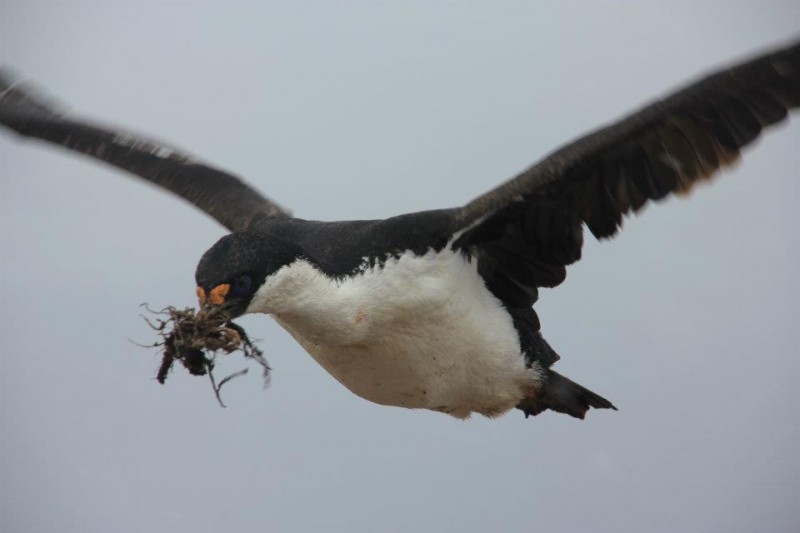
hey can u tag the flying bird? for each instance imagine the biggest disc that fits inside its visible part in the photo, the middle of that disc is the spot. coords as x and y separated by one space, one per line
435 309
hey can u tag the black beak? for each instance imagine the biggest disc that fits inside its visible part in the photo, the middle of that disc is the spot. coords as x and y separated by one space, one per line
229 309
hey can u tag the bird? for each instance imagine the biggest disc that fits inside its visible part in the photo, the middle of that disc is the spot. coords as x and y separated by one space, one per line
436 309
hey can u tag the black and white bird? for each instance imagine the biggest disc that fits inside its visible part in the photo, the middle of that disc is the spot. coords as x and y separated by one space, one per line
434 310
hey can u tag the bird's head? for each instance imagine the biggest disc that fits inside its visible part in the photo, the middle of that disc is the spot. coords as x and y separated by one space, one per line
230 273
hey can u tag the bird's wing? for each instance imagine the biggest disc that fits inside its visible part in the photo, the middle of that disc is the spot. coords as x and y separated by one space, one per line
224 196
529 228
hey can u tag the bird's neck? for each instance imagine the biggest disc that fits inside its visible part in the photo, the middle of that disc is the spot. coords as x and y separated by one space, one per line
311 304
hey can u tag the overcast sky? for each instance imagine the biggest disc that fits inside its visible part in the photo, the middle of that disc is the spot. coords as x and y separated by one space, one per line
687 321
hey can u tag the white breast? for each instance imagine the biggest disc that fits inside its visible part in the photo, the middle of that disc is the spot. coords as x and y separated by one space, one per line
417 332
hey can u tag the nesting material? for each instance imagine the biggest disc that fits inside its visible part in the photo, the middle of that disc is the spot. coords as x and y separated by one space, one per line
196 338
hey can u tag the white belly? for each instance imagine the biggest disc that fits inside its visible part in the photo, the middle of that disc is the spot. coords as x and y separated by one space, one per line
419 332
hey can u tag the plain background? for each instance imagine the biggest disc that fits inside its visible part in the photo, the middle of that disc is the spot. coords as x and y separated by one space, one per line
687 321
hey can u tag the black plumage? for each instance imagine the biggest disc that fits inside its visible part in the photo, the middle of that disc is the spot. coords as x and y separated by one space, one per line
532 224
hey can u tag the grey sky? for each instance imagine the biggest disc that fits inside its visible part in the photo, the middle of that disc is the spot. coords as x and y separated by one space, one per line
687 321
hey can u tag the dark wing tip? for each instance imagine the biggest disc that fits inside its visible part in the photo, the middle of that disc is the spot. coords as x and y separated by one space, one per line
19 96
528 229
667 147
25 110
688 137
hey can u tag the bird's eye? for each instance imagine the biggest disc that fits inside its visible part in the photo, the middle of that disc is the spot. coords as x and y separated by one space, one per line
242 285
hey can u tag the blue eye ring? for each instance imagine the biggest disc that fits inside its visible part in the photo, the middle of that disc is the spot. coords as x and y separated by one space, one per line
242 285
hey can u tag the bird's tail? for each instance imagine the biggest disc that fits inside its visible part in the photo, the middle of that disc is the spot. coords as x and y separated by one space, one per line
563 395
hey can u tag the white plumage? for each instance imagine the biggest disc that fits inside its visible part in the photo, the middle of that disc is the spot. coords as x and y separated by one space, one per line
416 331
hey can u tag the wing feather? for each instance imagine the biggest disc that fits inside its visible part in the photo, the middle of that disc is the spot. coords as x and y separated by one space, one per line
223 196
666 147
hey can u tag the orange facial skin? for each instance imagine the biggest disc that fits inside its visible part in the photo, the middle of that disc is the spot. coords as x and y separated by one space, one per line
201 296
215 297
218 294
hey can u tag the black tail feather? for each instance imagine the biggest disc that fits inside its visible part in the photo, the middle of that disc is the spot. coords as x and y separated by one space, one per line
564 396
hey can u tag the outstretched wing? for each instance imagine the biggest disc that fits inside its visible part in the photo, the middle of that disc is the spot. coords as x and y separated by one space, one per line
225 197
527 230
